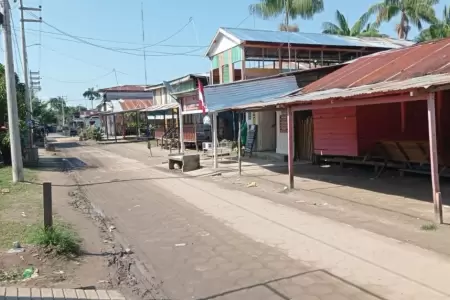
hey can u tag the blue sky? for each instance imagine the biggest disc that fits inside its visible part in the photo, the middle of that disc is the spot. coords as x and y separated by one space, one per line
69 68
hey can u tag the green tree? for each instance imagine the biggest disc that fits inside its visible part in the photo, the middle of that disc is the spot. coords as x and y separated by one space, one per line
362 27
438 30
291 9
20 92
411 12
92 95
43 113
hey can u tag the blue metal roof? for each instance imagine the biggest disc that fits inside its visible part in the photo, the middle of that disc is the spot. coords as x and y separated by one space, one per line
319 39
224 96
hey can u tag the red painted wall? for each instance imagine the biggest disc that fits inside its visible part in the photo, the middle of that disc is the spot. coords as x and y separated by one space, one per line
335 131
383 122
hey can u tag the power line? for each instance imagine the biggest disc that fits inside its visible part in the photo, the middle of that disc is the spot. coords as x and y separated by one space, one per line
17 46
245 19
81 60
79 82
47 33
119 51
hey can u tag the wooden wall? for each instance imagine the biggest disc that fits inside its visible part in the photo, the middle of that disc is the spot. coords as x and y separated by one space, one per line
384 122
335 131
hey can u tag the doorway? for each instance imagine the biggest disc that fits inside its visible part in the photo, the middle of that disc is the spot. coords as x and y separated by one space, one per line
303 135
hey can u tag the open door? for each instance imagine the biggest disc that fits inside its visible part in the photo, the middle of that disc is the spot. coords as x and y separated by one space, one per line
303 135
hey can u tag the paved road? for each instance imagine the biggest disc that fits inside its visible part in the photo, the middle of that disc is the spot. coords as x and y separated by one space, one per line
206 242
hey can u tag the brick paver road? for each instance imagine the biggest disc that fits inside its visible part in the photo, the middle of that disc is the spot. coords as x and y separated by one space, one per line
208 242
194 255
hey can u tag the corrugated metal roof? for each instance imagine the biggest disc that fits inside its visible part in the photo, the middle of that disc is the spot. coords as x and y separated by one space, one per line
134 104
346 93
418 60
223 96
161 107
124 88
319 39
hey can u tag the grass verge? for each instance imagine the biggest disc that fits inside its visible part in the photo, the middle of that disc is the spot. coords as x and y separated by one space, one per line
20 207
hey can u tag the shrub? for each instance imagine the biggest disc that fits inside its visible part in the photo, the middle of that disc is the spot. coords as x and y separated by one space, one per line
58 238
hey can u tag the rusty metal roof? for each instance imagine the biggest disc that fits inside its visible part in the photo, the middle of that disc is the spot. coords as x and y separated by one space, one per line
124 88
400 64
425 82
162 107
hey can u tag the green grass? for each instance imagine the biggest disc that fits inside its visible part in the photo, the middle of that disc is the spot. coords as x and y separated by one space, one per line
21 198
429 227
61 239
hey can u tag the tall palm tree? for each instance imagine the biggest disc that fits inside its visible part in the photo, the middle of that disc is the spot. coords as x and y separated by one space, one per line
362 27
440 29
411 12
92 95
291 9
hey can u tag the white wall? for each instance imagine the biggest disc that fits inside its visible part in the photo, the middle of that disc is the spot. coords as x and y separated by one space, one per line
266 136
222 44
282 138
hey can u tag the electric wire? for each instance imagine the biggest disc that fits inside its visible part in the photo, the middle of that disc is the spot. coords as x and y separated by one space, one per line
79 82
16 43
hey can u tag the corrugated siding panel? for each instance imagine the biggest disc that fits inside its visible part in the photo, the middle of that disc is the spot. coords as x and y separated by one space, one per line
226 74
335 131
215 62
225 96
236 54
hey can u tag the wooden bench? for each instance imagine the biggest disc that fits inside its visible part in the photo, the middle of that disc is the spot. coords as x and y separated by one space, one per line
186 162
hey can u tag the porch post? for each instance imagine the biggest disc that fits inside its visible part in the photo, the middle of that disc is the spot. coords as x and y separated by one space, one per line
239 144
437 200
115 127
214 120
138 133
290 124
180 115
106 126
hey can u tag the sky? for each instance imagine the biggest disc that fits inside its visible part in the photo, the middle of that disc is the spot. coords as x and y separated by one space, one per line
69 66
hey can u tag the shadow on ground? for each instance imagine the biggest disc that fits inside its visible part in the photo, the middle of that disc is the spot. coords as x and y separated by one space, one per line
275 287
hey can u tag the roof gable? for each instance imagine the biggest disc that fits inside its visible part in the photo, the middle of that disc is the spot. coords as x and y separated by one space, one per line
222 41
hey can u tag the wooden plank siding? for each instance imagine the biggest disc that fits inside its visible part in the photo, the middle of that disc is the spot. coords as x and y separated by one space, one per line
335 131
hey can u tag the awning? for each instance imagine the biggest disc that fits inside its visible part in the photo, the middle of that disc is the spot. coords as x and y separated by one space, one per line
160 108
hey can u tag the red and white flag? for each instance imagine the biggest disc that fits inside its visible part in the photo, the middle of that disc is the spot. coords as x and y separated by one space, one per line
201 96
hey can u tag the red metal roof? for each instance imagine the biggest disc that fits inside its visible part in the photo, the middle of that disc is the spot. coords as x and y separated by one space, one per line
124 88
134 104
392 65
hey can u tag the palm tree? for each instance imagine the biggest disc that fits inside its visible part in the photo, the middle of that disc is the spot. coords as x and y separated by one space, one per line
92 95
411 12
362 27
440 29
291 9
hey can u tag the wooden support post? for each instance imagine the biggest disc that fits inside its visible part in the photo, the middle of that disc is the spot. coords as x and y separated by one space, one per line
137 125
243 65
106 126
239 144
290 124
48 214
195 117
403 116
214 121
115 127
437 199
181 126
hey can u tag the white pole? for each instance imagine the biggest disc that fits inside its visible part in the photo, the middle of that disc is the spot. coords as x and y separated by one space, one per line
214 121
25 66
63 115
13 116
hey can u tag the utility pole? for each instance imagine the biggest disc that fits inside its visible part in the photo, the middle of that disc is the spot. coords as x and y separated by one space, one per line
28 98
63 113
13 115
